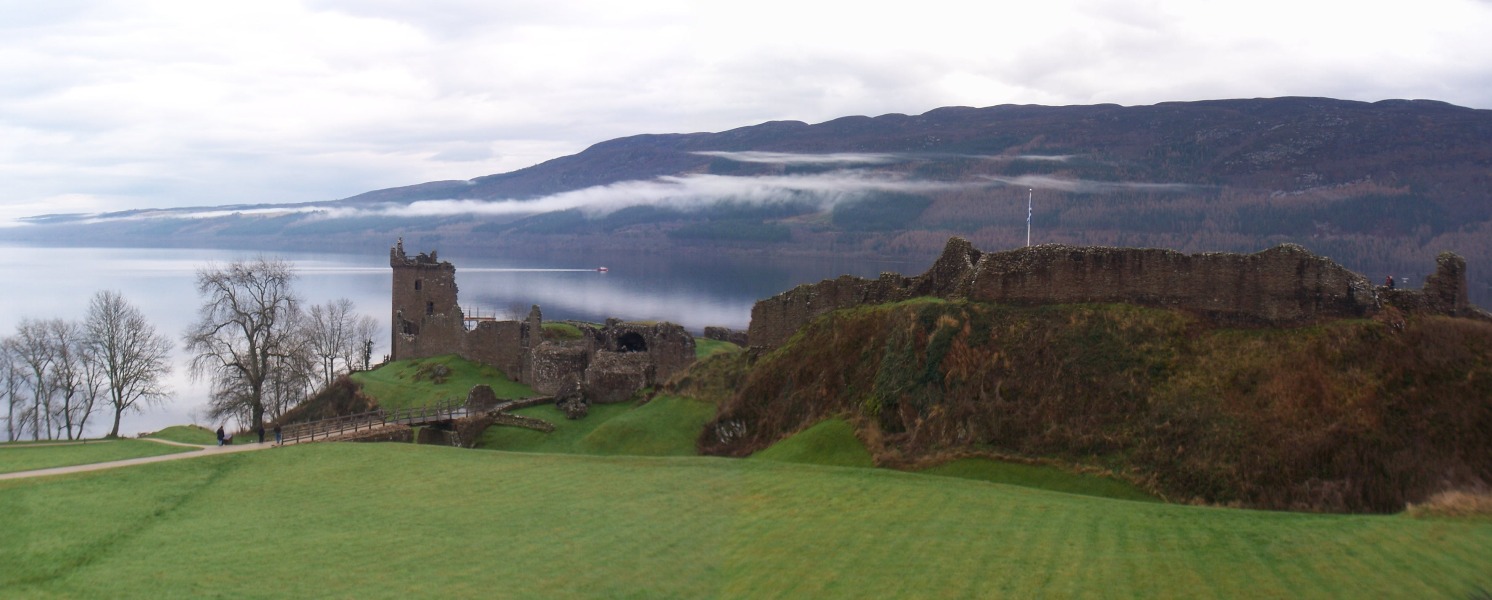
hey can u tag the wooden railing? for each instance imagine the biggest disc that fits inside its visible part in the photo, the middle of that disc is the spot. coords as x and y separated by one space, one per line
375 419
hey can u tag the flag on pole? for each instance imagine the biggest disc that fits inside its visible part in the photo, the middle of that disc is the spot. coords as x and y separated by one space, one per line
1029 193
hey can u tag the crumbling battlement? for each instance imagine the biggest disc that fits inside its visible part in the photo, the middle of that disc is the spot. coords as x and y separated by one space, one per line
427 321
1284 285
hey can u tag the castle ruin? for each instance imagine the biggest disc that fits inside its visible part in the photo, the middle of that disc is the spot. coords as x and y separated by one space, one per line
610 362
1284 285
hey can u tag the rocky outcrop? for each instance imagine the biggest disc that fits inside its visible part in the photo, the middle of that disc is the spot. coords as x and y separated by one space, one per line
1285 285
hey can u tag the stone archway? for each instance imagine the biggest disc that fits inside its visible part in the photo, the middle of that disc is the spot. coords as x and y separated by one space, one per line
631 342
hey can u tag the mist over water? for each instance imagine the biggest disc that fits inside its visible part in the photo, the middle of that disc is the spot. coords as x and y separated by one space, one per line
693 291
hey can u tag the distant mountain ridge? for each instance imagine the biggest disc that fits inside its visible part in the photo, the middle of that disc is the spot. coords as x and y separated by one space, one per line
1381 187
1237 142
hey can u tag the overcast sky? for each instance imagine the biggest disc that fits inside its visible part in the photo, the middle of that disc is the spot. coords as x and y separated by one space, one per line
108 105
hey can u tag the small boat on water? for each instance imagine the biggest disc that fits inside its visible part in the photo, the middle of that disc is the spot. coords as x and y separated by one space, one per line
602 269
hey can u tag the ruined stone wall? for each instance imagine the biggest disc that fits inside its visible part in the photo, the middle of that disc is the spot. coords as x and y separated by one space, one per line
614 376
553 364
726 334
1284 285
1445 291
502 344
426 319
775 319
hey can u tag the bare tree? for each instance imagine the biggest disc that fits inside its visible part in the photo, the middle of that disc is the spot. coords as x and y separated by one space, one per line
294 373
125 348
326 331
335 336
364 331
10 390
74 401
245 328
32 350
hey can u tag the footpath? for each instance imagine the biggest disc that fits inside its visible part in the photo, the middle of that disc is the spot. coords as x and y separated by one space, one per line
201 451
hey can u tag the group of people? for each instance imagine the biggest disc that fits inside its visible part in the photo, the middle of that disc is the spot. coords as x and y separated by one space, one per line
225 438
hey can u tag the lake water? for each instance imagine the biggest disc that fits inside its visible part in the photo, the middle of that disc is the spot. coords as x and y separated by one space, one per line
693 291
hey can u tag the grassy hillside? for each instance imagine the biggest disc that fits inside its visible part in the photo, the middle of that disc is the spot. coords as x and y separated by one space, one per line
395 520
666 426
831 442
29 457
187 434
1348 415
704 348
1040 477
421 382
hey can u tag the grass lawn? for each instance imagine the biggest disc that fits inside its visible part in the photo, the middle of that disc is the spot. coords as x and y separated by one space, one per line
188 434
831 442
561 331
706 347
565 438
1038 476
666 426
31 457
395 520
413 383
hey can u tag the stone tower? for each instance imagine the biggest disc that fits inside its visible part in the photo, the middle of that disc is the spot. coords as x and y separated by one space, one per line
426 319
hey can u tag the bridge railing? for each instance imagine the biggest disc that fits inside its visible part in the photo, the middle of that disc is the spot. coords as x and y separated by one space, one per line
367 421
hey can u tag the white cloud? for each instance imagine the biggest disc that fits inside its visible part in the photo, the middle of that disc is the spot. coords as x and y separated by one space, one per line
862 158
690 192
176 102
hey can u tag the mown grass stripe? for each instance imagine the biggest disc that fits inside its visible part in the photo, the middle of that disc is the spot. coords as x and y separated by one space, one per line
379 520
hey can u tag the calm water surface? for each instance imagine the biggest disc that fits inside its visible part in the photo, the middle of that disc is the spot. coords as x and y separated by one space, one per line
692 291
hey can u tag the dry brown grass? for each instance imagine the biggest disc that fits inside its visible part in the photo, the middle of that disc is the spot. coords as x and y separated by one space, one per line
1349 416
1455 503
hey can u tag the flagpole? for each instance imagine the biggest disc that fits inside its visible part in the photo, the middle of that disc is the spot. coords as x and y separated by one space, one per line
1029 193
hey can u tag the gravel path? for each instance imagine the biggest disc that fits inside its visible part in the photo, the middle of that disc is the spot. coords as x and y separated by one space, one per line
203 451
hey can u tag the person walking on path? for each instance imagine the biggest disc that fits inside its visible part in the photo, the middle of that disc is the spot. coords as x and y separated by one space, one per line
220 435
259 429
278 440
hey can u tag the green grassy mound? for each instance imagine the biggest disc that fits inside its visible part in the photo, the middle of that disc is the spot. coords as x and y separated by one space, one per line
561 331
831 442
399 520
422 382
566 437
705 348
14 459
666 426
187 434
1041 477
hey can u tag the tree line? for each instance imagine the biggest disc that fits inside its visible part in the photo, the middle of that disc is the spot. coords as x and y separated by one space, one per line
261 351
55 374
